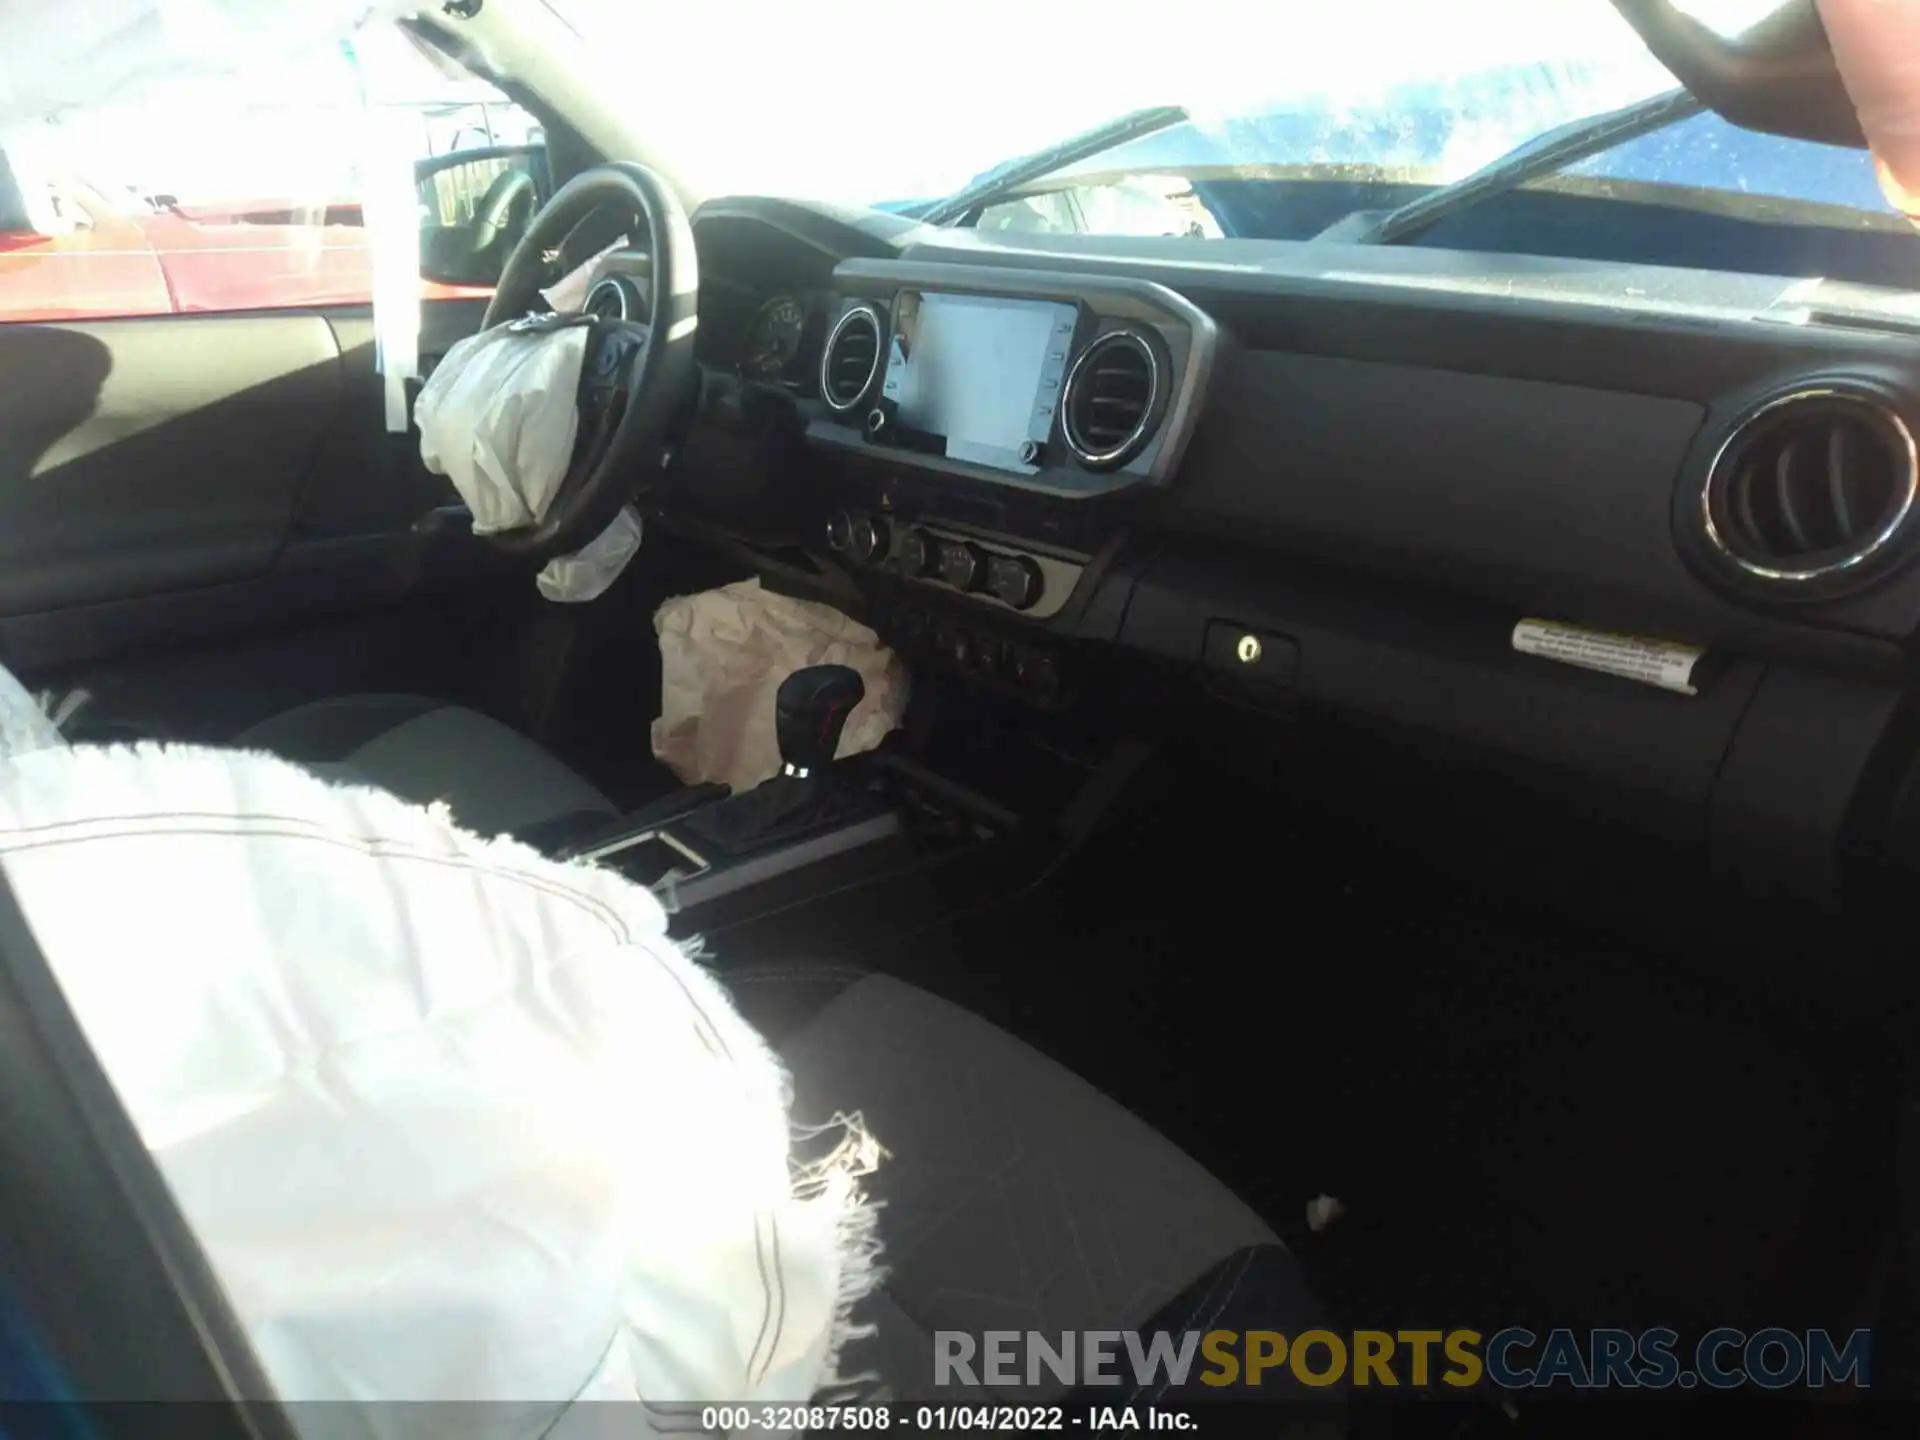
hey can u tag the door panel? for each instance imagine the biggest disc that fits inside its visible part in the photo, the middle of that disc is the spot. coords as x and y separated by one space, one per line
170 480
146 455
367 479
204 521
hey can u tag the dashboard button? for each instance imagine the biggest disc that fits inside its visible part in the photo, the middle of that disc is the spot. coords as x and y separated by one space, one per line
1037 674
1254 657
962 566
1015 580
957 647
839 531
919 553
869 538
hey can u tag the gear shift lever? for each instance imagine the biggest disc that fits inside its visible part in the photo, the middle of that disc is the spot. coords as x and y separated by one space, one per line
810 713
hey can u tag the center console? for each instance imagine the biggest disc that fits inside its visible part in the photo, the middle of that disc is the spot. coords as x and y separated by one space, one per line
710 854
984 436
1051 384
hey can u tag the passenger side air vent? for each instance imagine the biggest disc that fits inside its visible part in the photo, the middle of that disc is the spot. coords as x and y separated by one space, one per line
1110 400
1814 491
850 358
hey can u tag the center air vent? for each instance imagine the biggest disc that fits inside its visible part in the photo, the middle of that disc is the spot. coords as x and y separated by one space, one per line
1815 489
1109 400
851 358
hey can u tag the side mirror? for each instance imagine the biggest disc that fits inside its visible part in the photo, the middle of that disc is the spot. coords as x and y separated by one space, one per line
1778 77
474 207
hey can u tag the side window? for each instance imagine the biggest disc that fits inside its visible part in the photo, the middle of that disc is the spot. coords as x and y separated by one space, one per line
474 206
1144 205
1050 213
245 192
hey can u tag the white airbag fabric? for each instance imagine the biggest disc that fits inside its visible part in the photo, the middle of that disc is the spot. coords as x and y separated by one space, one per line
498 418
590 571
452 1121
24 725
723 654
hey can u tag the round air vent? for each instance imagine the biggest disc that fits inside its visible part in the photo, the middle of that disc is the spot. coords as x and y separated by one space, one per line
850 358
1110 399
608 300
1813 489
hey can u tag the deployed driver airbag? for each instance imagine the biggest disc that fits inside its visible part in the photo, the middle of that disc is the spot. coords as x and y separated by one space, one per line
498 418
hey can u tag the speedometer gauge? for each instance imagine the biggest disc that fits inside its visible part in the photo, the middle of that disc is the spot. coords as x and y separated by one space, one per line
773 339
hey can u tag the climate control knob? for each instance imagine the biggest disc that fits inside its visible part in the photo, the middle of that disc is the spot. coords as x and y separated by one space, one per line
869 538
962 566
919 553
1014 580
1036 673
839 531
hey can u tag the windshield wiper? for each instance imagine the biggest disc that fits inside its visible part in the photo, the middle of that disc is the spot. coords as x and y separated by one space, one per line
1543 155
997 182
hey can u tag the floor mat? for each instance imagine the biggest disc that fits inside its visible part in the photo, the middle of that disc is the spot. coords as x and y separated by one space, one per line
1527 1125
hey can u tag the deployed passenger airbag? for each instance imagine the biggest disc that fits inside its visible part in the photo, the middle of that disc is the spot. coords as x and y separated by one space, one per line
452 1121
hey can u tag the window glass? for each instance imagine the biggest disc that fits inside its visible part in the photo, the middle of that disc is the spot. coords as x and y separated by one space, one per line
244 192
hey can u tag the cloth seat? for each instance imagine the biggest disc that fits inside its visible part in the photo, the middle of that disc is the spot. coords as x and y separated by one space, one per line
1017 1197
494 779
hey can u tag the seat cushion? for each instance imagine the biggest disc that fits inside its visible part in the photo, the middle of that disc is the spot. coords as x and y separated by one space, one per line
494 779
1017 1196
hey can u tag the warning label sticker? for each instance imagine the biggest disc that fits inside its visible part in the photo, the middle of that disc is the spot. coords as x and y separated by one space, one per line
1652 662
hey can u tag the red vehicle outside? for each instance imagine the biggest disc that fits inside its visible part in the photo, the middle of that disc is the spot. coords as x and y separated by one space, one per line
253 255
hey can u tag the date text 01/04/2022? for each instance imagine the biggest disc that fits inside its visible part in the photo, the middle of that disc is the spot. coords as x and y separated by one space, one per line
912 1419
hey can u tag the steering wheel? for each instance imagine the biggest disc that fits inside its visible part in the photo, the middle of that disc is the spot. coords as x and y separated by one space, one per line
503 210
639 377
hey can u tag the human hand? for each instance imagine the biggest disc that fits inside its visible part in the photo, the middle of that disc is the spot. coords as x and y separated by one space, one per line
1877 45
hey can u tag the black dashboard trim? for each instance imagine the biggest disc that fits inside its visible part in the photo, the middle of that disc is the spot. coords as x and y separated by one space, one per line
1396 455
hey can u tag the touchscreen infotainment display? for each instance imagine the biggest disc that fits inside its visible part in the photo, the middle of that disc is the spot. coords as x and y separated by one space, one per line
979 373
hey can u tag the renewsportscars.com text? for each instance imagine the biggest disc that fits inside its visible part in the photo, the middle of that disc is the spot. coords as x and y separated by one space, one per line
1510 1359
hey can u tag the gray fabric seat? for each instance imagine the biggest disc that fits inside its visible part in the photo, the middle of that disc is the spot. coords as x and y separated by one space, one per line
1017 1196
494 779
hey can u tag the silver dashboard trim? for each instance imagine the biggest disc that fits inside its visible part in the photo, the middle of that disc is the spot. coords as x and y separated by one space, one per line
659 832
1059 579
619 290
1881 539
1193 337
1115 454
713 884
852 313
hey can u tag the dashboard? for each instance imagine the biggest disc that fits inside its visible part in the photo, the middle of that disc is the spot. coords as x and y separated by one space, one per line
768 338
1343 477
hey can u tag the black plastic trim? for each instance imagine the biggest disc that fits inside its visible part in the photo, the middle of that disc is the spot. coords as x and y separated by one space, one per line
97 1252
